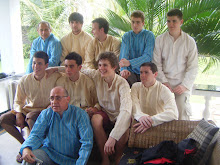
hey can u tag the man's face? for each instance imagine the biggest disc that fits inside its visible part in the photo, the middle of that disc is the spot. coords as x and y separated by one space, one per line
136 24
105 68
58 100
76 27
147 76
96 31
39 66
174 23
71 68
44 31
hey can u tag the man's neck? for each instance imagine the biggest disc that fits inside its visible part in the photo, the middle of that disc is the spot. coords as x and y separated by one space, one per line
109 80
75 77
176 34
38 78
76 33
102 38
150 84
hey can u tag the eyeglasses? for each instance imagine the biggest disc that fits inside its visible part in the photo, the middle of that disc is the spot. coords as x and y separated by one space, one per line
58 98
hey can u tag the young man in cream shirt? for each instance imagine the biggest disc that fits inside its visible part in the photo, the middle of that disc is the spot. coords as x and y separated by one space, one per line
101 43
176 57
152 102
77 40
80 87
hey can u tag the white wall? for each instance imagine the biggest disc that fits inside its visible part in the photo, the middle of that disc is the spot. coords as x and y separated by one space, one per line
11 37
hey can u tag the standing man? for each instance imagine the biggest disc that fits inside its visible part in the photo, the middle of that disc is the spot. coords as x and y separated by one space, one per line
101 43
136 48
62 134
46 42
77 40
176 57
152 102
80 87
31 98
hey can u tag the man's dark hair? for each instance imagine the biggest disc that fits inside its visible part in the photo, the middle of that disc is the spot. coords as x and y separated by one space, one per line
152 66
111 57
175 12
74 56
76 17
138 14
43 55
103 23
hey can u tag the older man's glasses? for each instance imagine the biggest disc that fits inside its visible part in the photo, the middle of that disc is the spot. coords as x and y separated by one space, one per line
58 98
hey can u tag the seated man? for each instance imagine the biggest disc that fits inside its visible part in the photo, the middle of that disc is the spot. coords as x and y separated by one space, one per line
77 40
136 48
114 113
46 42
79 86
62 134
31 98
153 103
101 43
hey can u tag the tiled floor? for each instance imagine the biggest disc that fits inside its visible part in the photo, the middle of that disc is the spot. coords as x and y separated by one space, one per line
9 147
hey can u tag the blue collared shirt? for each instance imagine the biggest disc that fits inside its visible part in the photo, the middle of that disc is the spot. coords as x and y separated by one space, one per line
137 48
67 140
52 46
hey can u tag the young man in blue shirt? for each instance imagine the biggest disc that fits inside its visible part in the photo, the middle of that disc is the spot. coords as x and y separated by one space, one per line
136 48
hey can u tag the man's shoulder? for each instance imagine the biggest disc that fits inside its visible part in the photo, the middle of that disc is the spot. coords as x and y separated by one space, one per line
186 36
137 85
84 77
77 111
26 78
67 36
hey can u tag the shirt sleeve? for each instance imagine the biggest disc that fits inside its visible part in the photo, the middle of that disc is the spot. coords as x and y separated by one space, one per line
124 51
124 118
116 47
147 53
86 139
38 132
170 111
191 66
157 59
90 56
65 52
55 52
20 98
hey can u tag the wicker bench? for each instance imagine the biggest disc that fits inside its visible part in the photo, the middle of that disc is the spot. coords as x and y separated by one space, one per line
174 130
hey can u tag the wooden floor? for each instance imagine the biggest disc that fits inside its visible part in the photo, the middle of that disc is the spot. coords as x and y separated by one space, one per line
9 147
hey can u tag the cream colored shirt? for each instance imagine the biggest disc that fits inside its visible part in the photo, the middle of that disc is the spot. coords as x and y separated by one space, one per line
156 101
82 92
114 100
177 61
96 47
75 43
34 95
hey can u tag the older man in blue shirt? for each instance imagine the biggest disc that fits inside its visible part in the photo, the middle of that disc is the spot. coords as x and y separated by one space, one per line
136 48
48 43
62 134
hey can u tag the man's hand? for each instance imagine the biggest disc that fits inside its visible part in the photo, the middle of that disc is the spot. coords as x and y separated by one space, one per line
145 122
123 63
91 111
168 86
50 71
179 89
28 156
20 120
125 74
109 147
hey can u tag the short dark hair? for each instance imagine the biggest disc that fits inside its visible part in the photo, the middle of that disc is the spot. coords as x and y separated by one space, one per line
76 17
44 22
103 23
43 55
152 66
138 14
74 56
175 12
111 57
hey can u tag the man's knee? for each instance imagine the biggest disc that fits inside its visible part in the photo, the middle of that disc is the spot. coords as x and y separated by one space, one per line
97 121
183 105
33 115
8 118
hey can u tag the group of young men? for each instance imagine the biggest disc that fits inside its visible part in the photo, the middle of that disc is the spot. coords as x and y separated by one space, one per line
151 93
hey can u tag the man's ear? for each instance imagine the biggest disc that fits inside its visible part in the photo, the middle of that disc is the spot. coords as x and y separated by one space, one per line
155 74
181 21
80 67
